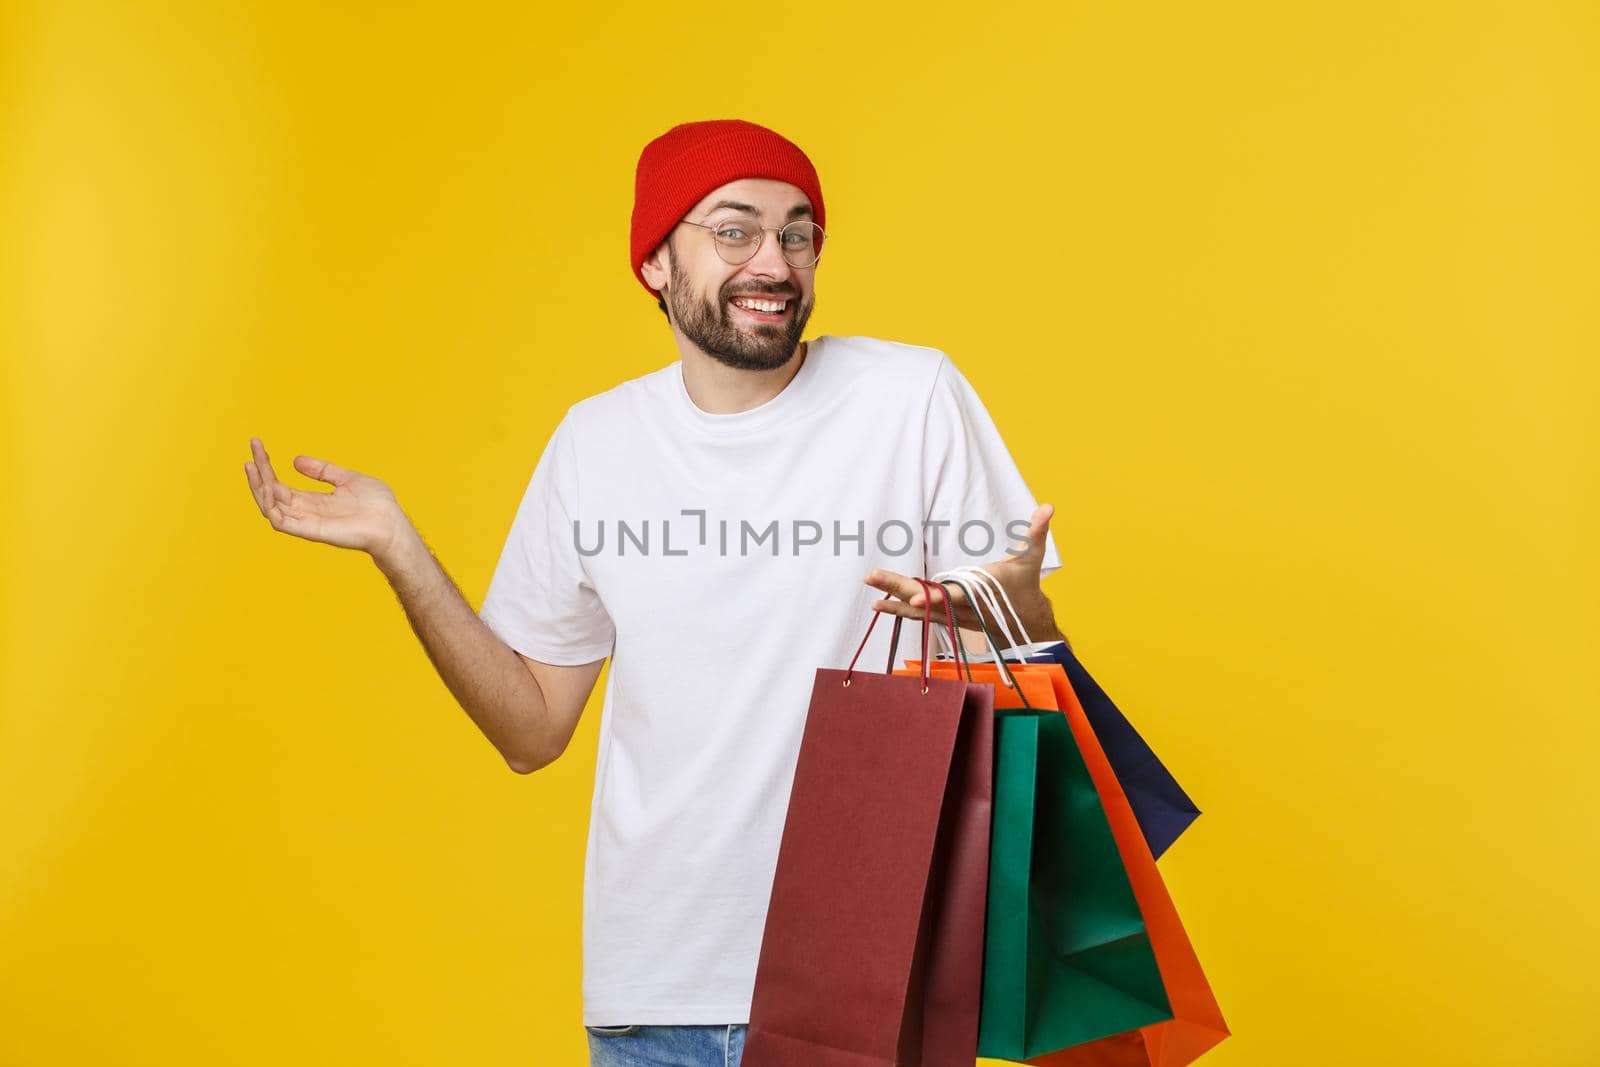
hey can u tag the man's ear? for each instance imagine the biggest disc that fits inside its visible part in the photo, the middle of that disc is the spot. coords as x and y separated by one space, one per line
656 267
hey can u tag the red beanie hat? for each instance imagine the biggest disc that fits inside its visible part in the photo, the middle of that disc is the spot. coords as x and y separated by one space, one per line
678 169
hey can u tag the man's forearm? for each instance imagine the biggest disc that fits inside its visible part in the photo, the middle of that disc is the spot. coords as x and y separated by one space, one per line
482 672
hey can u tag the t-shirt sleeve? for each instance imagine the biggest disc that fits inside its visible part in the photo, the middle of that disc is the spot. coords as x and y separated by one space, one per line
971 484
540 599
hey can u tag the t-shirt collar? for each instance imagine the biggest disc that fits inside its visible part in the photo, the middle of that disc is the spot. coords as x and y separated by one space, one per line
762 415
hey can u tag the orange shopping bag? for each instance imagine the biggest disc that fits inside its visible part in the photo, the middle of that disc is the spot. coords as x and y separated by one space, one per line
1197 1024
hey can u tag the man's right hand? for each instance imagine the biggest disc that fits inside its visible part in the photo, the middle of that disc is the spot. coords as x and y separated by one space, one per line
360 513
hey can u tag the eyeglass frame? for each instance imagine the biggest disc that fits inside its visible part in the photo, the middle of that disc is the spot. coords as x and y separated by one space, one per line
760 240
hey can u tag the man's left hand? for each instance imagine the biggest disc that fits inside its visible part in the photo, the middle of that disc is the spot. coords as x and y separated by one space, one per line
1018 575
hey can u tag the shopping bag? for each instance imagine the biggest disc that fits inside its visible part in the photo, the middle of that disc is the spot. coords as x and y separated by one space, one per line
872 952
1196 1023
1159 803
1067 959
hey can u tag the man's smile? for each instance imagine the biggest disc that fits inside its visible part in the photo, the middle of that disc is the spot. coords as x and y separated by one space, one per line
762 309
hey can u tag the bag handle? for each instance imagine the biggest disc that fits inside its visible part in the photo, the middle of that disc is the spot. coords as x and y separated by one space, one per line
984 598
1028 646
961 646
996 586
958 649
894 641
986 586
927 620
1005 668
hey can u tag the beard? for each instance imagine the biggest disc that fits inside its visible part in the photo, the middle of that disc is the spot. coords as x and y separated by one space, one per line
744 346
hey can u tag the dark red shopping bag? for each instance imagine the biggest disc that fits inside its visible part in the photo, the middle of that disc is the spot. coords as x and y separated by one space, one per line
873 950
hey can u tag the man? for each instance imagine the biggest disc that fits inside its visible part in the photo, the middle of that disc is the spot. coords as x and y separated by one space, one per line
719 528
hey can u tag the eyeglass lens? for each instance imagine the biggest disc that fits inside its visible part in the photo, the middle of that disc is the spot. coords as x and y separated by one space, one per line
739 238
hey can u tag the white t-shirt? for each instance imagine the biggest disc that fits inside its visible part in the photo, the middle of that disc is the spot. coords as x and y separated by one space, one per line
719 560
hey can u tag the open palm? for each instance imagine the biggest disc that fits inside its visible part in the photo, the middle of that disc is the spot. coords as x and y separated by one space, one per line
360 513
1018 575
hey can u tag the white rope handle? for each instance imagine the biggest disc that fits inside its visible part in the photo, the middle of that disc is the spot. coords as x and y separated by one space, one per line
977 599
987 581
944 634
982 598
959 576
979 572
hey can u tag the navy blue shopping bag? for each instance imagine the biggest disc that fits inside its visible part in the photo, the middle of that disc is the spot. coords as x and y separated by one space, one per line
1163 809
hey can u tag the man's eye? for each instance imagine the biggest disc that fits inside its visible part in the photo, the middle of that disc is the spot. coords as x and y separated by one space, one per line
733 233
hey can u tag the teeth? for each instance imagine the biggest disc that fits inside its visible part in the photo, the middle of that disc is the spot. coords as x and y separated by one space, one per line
761 305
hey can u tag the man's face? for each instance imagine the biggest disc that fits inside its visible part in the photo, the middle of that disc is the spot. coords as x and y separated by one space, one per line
701 286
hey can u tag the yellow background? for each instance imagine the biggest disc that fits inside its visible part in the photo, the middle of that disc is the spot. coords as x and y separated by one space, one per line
1290 310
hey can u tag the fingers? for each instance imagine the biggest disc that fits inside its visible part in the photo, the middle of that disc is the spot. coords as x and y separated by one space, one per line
263 463
273 497
1031 546
908 598
898 607
334 518
260 475
900 585
322 470
959 605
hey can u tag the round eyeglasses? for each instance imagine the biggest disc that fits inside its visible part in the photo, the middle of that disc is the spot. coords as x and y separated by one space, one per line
738 241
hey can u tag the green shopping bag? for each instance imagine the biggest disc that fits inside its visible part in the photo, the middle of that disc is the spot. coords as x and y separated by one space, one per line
1067 958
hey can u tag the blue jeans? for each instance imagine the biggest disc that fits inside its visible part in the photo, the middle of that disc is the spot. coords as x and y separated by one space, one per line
666 1046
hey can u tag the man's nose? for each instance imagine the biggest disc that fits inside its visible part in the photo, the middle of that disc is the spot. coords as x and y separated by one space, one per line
768 260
